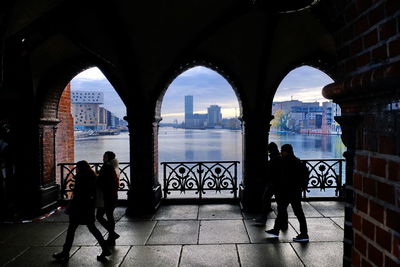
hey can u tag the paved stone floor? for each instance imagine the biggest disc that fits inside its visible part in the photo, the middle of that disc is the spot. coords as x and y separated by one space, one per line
183 235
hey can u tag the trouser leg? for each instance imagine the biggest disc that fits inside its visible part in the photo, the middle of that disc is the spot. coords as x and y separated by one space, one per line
108 224
298 212
282 217
110 219
266 203
100 218
96 233
70 237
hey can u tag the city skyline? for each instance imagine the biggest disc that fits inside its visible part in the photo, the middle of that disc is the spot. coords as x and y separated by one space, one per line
209 88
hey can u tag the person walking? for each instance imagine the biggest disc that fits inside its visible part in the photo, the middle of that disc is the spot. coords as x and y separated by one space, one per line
108 183
82 211
288 191
273 168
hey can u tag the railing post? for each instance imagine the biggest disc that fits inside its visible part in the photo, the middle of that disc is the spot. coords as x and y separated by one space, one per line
165 178
235 179
62 191
200 182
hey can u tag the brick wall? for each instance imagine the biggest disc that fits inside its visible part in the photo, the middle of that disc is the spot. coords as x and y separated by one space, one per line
65 130
367 34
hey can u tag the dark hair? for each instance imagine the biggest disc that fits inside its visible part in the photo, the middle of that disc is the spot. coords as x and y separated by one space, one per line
273 148
84 168
110 155
287 148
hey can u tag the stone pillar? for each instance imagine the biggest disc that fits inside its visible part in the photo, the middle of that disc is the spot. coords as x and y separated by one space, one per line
144 196
255 156
349 125
49 190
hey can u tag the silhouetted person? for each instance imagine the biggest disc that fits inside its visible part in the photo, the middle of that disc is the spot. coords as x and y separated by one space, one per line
7 175
289 188
108 183
82 211
273 168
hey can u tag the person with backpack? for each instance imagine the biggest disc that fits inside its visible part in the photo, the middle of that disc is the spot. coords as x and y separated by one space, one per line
288 191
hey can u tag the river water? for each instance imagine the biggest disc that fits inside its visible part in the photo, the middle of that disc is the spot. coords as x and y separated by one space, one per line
209 145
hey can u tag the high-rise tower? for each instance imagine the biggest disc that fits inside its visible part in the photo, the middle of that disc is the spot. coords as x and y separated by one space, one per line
188 110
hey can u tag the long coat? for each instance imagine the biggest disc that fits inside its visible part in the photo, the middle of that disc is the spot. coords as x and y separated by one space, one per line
108 182
82 206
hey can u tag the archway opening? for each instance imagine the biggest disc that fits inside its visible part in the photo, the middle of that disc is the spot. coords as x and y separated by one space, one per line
200 123
91 122
305 119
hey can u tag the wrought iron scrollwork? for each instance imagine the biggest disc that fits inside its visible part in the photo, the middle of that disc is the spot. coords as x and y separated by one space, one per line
324 174
200 177
68 172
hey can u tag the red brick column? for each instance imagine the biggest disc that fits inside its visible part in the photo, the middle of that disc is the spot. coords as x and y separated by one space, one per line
65 132
367 36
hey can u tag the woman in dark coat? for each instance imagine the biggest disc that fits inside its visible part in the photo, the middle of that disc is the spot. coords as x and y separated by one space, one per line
82 211
108 183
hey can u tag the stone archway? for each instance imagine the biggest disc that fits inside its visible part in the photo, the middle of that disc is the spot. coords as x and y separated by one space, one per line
205 87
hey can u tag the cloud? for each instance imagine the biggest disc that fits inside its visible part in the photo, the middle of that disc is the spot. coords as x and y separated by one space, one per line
90 82
197 71
91 74
208 88
304 84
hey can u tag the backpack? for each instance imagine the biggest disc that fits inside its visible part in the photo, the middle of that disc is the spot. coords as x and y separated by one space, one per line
304 175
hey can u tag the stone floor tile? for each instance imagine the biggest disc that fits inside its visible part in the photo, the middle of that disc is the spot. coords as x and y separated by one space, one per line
82 236
35 234
119 212
257 233
309 211
219 211
154 256
131 218
250 216
7 231
209 255
177 212
329 208
279 254
10 252
320 254
58 216
175 232
222 232
87 256
38 257
134 233
321 229
339 221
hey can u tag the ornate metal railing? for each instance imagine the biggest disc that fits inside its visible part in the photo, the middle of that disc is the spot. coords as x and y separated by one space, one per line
218 176
200 177
68 172
325 174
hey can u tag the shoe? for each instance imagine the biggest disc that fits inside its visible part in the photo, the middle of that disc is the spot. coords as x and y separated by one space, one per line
115 236
102 256
61 256
273 233
111 239
301 238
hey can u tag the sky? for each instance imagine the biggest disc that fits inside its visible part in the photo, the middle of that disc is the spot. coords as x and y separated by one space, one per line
208 88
